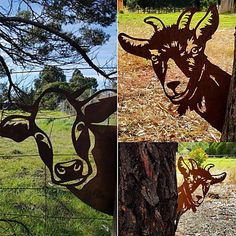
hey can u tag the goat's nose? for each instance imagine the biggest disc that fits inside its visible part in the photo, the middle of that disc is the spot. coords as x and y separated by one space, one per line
173 84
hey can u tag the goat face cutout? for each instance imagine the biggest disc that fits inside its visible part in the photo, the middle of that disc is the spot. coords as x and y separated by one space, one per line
196 184
188 78
176 52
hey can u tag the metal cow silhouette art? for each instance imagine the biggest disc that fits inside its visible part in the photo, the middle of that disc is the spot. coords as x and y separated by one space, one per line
196 184
198 85
91 176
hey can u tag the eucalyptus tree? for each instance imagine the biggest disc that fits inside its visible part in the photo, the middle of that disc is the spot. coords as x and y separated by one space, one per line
46 32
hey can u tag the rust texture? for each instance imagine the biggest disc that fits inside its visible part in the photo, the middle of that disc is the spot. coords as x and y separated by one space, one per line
198 85
91 176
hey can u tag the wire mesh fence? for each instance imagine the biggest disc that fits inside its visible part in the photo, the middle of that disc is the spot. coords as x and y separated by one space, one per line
30 204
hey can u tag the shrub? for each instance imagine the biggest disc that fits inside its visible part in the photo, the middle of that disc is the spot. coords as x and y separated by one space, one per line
199 155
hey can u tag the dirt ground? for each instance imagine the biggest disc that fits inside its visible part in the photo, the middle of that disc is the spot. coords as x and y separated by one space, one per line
146 114
215 217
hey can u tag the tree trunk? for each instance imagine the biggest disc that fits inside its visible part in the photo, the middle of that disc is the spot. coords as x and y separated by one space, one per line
147 189
229 129
227 6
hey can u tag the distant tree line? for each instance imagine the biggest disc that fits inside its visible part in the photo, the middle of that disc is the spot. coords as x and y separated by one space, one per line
51 76
166 5
196 150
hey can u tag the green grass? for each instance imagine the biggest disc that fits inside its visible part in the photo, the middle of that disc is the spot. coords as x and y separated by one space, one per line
28 204
222 163
227 21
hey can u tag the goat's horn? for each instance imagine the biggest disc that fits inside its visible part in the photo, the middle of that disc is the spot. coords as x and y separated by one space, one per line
155 22
136 46
209 166
218 178
185 18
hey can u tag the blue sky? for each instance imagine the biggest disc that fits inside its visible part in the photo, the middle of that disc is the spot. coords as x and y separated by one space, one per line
103 53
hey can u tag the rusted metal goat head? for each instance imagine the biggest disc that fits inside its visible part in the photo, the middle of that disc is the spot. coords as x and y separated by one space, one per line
188 78
91 176
196 184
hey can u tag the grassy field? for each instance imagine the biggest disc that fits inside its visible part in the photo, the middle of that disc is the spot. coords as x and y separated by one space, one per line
227 21
34 195
145 113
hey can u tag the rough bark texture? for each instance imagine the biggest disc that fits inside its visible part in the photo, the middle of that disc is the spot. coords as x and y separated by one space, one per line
147 189
229 129
227 6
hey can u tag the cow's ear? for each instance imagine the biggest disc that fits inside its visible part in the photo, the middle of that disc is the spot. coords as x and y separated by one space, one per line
15 128
183 167
100 111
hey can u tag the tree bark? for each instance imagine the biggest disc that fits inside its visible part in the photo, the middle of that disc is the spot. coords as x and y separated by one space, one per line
229 128
227 6
147 189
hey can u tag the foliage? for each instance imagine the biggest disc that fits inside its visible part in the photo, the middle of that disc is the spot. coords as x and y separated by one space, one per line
185 148
35 32
79 80
222 149
199 155
3 92
206 3
157 4
34 43
50 76
196 151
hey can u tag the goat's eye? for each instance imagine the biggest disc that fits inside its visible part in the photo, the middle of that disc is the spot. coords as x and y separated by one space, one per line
154 58
196 50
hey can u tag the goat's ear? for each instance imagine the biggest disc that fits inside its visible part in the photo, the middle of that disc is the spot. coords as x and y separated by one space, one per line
100 111
207 26
183 167
193 164
14 129
135 46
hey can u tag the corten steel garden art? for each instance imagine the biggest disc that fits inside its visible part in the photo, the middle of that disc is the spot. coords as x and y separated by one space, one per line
196 184
200 85
94 184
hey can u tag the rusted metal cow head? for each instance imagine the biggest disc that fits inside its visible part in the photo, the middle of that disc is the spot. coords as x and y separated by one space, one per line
91 176
188 78
196 184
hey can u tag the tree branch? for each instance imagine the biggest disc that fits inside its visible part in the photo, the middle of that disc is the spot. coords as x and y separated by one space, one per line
60 34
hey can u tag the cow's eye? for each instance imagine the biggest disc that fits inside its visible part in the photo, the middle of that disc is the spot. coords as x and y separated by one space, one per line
80 126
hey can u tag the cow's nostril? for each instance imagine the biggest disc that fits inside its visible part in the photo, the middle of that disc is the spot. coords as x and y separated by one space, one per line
77 167
61 170
172 85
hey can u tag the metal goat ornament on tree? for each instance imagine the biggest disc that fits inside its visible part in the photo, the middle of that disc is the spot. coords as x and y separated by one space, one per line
196 184
200 85
92 175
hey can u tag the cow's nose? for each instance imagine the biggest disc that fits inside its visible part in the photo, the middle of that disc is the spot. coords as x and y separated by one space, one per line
173 85
69 170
